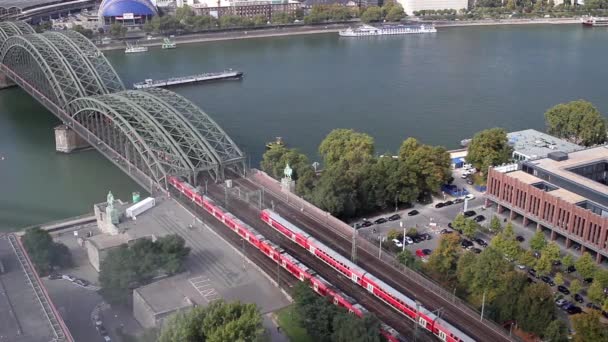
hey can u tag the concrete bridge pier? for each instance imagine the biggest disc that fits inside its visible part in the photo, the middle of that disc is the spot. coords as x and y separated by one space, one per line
5 82
66 140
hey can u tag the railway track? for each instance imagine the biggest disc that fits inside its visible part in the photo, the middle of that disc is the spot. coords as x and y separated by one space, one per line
251 216
343 244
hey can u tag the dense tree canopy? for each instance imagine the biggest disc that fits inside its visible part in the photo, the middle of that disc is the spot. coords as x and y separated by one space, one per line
44 252
216 322
585 266
127 267
538 242
489 147
444 259
556 331
371 14
588 327
578 121
536 308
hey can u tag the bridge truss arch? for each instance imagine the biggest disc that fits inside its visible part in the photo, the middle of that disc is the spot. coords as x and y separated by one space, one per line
155 131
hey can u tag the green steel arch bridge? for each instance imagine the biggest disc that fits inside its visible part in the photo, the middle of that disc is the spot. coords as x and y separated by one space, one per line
150 134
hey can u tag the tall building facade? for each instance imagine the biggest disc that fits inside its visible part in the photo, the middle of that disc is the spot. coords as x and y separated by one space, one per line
411 6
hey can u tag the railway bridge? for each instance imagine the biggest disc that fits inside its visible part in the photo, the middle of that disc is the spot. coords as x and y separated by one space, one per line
149 134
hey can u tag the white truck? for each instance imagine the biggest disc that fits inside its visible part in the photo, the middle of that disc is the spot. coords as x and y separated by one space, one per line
140 207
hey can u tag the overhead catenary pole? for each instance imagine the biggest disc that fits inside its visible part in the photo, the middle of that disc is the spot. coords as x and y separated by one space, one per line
483 304
402 242
353 252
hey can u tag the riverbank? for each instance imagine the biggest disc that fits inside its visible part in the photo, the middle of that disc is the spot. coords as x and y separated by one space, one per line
331 28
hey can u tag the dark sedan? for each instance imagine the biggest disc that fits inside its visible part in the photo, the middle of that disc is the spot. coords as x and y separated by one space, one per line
547 280
520 238
447 203
394 217
466 243
479 218
439 205
366 224
380 220
481 242
563 289
469 213
579 298
413 213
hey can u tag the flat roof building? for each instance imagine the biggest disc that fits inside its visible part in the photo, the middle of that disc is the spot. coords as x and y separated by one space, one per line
532 144
565 193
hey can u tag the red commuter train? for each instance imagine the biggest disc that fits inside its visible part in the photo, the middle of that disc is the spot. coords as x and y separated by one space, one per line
426 319
276 253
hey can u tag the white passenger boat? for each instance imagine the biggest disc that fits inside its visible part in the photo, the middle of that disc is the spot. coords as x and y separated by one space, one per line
135 48
368 30
594 21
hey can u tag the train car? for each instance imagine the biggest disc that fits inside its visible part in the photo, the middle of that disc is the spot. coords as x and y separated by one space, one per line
285 227
390 334
295 267
271 250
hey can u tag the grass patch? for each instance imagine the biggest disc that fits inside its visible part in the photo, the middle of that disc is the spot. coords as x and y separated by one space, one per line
289 321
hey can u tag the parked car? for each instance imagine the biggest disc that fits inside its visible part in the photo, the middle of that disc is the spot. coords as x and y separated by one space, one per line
469 197
107 339
426 236
547 280
593 306
439 205
532 272
420 253
571 269
380 220
366 224
447 203
398 243
479 218
427 251
520 238
417 239
464 176
469 213
563 289
573 310
68 277
560 302
466 243
408 240
579 298
102 330
394 217
521 266
81 282
458 200
475 250
588 280
413 213
566 305
445 231
481 242
450 225
54 276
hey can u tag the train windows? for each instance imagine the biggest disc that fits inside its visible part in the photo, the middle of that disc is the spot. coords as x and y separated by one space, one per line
442 335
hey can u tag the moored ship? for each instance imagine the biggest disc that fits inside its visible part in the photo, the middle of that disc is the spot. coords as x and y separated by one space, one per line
211 76
368 30
594 21
168 44
135 48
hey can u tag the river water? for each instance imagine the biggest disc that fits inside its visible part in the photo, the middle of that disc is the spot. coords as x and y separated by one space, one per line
438 88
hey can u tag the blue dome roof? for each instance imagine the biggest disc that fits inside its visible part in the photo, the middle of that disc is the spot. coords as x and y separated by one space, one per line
116 8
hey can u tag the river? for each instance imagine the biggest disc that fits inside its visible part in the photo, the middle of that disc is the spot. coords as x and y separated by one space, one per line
439 88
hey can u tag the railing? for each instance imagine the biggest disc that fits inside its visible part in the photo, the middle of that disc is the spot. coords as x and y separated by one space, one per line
344 230
57 325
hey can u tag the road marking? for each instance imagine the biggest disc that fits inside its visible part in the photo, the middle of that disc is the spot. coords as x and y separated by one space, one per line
204 287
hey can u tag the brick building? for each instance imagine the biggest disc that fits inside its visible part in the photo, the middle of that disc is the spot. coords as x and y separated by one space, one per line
566 194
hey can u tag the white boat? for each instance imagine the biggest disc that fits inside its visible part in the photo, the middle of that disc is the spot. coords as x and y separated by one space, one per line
211 76
368 30
594 21
168 44
135 48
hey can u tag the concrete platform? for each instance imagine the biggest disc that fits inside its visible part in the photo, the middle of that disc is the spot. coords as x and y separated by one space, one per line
21 316
214 269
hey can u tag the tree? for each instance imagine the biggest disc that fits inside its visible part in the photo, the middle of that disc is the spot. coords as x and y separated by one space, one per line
575 286
585 266
260 20
559 278
536 309
538 242
595 293
216 322
44 253
505 242
601 276
488 148
527 259
551 251
429 167
396 13
459 221
578 121
489 268
406 258
544 265
556 331
470 229
495 225
183 13
567 261
411 232
444 259
117 30
85 32
392 234
44 26
372 13
281 18
588 327
511 5
349 328
504 306
346 144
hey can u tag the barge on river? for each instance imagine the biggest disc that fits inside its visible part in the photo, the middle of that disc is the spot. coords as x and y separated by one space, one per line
211 76
368 30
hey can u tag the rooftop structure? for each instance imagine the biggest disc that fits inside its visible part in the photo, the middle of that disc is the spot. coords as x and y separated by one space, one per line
153 303
411 6
532 144
35 9
26 311
565 193
126 11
